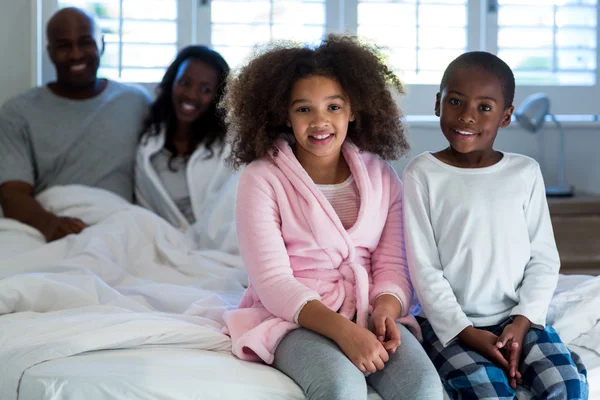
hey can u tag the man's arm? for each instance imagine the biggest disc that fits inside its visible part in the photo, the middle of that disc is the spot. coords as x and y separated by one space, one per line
17 201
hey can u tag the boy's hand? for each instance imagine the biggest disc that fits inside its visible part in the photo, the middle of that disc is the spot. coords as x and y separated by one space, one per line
511 340
485 343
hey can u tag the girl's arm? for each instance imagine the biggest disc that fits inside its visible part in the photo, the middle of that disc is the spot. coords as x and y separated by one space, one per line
258 223
541 273
433 290
391 280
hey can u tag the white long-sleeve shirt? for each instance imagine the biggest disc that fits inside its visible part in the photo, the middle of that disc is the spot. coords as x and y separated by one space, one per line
479 242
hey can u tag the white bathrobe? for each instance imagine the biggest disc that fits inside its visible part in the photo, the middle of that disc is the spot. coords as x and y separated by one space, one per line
212 185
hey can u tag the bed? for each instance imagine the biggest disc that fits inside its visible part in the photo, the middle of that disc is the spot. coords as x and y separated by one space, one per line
128 310
168 374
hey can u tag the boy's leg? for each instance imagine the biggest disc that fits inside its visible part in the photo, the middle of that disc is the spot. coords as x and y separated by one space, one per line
549 369
319 367
409 374
466 375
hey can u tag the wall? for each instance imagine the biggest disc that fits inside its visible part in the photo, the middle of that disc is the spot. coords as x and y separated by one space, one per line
16 38
583 141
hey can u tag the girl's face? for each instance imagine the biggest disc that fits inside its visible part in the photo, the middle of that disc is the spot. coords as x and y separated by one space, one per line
194 90
319 113
471 110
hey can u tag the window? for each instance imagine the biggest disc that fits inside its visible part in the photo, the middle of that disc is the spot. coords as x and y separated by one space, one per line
140 36
238 25
552 45
549 43
421 36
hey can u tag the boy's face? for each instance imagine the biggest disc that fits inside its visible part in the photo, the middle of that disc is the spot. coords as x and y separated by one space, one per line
471 110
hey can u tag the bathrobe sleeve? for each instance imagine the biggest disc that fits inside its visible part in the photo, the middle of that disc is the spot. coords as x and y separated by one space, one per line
388 262
262 246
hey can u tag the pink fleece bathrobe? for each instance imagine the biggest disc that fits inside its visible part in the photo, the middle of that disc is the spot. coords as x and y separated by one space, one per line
295 248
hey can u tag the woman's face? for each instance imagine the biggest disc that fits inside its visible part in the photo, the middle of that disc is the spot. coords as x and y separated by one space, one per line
194 90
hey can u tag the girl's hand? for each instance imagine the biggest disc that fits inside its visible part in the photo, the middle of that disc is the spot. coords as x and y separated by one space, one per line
385 328
484 343
511 340
362 348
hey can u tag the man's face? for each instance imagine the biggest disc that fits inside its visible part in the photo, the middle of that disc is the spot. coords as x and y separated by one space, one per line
74 50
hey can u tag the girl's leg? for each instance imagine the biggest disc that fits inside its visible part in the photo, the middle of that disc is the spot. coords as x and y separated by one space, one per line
409 374
466 375
550 370
319 367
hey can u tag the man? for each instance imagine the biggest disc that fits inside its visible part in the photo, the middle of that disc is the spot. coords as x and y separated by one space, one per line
77 130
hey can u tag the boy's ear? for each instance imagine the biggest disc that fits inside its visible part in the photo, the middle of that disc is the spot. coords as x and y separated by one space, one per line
288 123
351 117
506 118
438 98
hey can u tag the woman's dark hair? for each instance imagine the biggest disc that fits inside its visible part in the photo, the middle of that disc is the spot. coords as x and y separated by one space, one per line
207 130
257 98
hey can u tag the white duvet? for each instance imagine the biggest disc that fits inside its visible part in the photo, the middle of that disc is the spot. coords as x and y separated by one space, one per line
129 280
133 281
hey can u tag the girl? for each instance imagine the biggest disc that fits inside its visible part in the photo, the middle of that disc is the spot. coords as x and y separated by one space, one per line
180 170
481 249
319 221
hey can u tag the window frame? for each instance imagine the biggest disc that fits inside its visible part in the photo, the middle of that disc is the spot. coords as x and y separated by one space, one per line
561 97
44 9
194 27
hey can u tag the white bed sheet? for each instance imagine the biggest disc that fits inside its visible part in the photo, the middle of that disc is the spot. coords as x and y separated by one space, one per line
168 374
159 373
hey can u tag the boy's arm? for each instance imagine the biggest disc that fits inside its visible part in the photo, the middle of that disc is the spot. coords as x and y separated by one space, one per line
541 273
433 290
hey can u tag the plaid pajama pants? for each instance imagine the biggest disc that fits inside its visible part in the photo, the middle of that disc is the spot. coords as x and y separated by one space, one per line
548 368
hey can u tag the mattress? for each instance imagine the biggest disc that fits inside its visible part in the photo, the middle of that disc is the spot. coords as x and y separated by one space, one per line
156 373
168 374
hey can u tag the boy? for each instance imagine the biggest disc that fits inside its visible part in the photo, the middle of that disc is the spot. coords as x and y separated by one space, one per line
481 249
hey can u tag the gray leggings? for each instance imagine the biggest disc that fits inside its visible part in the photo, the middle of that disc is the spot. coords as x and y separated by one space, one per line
324 372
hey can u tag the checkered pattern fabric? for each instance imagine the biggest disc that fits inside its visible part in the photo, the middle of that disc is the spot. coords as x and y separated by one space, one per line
548 368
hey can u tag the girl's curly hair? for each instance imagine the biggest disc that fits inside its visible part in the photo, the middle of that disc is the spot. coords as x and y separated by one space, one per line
256 99
210 128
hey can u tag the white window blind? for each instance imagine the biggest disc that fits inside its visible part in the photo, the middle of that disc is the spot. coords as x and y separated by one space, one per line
421 36
140 36
552 45
549 42
238 25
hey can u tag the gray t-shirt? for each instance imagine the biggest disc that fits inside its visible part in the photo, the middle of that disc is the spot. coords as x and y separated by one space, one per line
47 140
174 180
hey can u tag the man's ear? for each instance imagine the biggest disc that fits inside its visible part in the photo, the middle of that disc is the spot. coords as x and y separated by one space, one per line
351 117
288 123
49 50
507 117
438 98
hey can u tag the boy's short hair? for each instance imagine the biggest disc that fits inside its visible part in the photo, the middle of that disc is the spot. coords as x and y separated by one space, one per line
490 63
